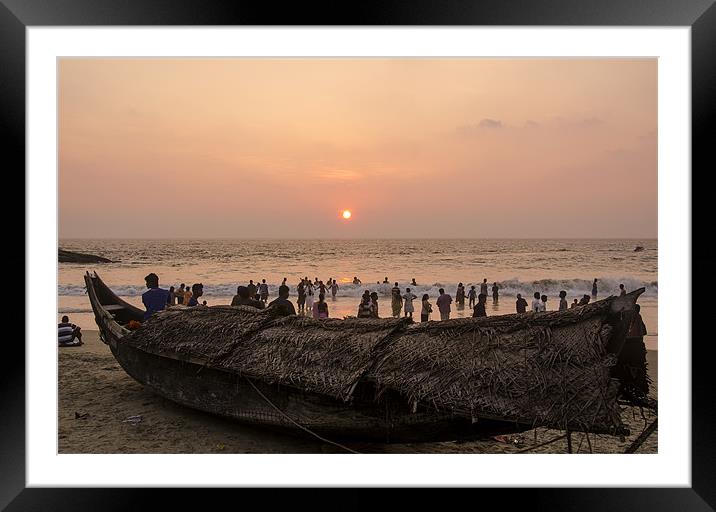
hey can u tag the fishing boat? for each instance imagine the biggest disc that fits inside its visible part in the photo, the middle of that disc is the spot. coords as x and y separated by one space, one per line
386 380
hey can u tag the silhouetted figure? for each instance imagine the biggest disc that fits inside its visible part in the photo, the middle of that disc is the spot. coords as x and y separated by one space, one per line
622 290
460 296
563 300
521 304
479 309
594 289
154 299
374 303
282 303
263 291
483 287
309 296
301 290
197 290
396 301
365 308
443 303
472 295
495 294
426 309
243 298
409 297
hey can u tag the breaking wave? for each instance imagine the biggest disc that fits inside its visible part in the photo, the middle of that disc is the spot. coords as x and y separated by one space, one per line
509 287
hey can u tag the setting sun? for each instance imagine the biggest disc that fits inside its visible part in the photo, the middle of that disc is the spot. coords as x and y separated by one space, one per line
346 214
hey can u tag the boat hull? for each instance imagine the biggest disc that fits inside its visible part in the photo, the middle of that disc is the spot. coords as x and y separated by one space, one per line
285 408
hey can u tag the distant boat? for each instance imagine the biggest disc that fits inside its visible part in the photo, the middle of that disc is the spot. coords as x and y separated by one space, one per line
382 379
638 248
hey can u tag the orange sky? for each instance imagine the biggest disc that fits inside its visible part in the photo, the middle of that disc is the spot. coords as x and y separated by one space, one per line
413 147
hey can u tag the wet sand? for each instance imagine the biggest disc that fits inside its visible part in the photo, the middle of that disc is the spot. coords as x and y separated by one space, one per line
94 387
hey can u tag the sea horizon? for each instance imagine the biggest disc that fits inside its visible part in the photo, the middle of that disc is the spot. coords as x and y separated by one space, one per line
273 239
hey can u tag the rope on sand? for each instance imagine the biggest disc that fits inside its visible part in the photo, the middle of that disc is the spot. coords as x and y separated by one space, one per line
305 429
529 448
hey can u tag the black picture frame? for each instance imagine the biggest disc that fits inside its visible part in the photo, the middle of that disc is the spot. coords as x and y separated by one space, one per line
700 15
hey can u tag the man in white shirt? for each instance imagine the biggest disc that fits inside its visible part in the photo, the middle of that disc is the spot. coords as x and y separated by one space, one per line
537 303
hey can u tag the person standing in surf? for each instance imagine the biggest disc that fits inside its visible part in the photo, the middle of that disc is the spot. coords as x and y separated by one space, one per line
536 303
594 289
426 309
563 300
309 296
544 303
521 304
409 297
301 290
365 308
483 287
396 301
472 295
334 289
460 296
495 294
443 303
320 308
263 291
374 303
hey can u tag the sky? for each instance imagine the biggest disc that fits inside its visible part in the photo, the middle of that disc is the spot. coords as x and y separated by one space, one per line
414 148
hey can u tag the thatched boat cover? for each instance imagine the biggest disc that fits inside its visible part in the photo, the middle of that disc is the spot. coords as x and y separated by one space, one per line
545 369
323 356
548 369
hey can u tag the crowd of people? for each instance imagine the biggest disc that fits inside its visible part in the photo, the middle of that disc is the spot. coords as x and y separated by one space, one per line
257 295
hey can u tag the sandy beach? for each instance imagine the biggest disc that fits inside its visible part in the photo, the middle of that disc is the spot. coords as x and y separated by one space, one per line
98 421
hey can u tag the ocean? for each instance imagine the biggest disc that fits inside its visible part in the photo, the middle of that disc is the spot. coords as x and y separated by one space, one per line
518 266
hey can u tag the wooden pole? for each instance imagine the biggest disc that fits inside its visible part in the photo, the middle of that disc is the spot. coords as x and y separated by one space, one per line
642 437
569 441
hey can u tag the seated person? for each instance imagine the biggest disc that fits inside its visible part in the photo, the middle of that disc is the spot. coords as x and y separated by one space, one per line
155 299
284 305
69 335
197 290
242 298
